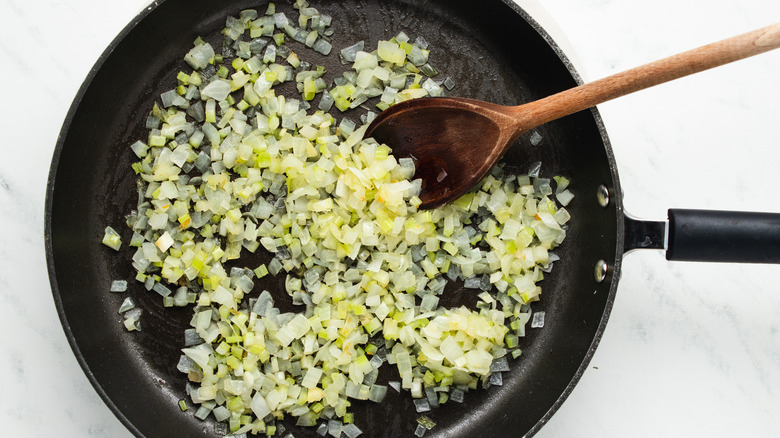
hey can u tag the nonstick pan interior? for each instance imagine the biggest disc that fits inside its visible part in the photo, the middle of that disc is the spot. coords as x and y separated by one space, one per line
492 50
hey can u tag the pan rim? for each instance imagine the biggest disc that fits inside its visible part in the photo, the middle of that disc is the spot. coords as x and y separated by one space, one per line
616 197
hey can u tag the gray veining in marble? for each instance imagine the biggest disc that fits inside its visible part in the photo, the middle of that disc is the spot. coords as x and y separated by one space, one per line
690 350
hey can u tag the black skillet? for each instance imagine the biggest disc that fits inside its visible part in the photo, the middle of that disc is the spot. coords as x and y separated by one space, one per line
494 51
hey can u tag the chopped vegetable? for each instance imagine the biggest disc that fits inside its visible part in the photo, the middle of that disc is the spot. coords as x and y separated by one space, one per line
537 321
127 304
132 319
426 422
112 239
231 167
118 286
535 139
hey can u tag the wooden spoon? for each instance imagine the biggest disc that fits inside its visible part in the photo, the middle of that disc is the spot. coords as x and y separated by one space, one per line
455 142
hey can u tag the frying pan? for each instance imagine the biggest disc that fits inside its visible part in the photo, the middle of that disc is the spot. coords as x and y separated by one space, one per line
486 49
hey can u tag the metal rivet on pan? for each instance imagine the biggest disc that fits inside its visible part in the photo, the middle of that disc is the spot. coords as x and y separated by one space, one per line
602 194
601 271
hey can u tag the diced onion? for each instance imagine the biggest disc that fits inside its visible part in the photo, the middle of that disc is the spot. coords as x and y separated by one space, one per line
112 239
229 166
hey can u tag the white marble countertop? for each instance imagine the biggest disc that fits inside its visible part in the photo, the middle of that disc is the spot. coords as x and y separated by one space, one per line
691 349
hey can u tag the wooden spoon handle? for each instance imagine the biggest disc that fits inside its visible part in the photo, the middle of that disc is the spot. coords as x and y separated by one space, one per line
648 75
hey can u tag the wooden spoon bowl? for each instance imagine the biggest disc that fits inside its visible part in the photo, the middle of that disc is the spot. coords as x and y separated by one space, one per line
447 138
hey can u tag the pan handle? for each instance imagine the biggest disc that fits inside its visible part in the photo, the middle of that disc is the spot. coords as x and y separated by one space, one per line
709 236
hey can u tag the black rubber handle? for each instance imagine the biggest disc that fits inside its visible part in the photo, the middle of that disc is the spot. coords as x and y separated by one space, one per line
723 236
